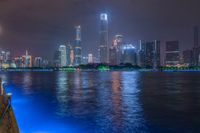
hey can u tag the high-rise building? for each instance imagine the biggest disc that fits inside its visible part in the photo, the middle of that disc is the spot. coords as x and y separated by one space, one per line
45 63
172 52
5 59
196 48
149 54
38 62
90 58
18 62
77 47
187 57
103 48
63 56
57 58
5 56
70 56
85 60
129 54
27 60
113 56
115 51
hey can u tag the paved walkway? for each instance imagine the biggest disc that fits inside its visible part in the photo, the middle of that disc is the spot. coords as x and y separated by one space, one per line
8 122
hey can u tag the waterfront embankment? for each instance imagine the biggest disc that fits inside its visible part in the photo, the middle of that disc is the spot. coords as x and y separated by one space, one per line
8 123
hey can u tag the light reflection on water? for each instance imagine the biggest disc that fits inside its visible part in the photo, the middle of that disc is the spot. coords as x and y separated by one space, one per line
60 102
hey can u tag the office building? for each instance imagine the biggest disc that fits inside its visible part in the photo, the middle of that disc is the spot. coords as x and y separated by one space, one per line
129 54
196 48
63 56
18 62
77 47
113 56
45 63
172 53
149 54
38 62
115 51
57 58
90 58
103 47
187 57
27 60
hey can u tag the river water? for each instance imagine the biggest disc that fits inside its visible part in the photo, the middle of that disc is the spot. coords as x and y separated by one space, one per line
105 102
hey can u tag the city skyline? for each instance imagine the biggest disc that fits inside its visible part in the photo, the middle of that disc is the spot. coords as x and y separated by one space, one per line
34 31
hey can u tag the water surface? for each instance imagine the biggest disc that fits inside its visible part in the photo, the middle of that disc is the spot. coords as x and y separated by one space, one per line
105 102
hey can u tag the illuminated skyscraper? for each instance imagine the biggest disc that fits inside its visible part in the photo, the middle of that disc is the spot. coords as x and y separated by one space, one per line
149 54
187 57
196 49
57 58
70 55
18 62
63 56
77 47
172 53
27 60
103 48
129 54
90 58
38 62
115 51
5 58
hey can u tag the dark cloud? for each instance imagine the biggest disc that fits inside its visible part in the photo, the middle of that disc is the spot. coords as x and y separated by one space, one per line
38 25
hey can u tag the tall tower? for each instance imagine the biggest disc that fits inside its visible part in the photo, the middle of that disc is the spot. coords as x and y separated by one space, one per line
77 47
103 38
196 49
149 54
63 56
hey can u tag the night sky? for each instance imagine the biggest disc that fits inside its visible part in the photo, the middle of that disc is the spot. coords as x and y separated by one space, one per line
40 26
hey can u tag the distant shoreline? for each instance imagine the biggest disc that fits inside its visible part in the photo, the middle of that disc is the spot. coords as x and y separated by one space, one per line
92 70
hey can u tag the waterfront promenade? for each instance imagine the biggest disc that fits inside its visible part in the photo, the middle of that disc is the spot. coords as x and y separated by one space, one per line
8 122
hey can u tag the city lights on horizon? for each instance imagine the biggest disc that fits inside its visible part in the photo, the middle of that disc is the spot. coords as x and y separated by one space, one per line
149 53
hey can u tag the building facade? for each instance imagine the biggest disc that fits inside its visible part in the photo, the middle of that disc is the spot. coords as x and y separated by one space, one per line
196 48
27 61
77 47
63 56
172 53
129 54
38 62
187 57
103 47
149 54
115 51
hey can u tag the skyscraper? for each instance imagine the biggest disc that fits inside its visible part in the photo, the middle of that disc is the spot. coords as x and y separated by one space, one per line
90 58
38 62
103 48
149 54
115 51
70 55
5 59
129 54
172 52
57 58
27 60
77 47
63 56
196 49
187 57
